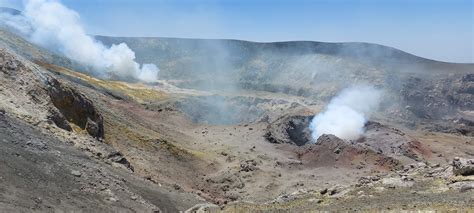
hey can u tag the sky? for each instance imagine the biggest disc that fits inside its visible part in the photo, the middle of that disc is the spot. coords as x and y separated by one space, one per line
436 29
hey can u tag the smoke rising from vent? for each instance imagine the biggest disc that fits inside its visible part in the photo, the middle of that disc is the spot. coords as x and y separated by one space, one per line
54 26
347 113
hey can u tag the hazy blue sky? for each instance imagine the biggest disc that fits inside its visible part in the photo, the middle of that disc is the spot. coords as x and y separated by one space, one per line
437 29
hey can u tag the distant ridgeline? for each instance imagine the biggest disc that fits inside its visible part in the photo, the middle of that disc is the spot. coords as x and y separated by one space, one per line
306 62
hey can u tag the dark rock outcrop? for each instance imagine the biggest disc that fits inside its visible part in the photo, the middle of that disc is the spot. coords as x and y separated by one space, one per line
117 157
93 128
290 129
458 126
426 98
59 119
76 108
461 93
435 98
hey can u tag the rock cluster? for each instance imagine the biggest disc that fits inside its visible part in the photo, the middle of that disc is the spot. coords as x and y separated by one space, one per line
330 150
437 97
462 166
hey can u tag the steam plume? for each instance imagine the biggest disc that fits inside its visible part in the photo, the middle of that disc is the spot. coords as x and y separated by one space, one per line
347 113
54 26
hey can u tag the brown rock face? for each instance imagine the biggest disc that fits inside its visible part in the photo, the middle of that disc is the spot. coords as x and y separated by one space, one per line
76 108
330 150
59 120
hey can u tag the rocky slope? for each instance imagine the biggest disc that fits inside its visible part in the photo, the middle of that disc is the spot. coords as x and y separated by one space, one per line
226 128
52 154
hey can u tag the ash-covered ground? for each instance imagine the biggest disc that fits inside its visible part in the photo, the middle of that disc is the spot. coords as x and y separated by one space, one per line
227 127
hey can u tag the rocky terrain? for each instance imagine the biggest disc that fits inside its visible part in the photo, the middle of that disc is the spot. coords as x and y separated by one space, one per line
226 128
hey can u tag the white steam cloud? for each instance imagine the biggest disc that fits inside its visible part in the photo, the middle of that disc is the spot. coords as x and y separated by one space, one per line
347 113
53 25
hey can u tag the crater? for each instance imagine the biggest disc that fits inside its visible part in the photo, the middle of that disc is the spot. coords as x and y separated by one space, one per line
221 110
290 129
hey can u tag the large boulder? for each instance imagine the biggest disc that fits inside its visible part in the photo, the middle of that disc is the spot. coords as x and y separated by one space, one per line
462 166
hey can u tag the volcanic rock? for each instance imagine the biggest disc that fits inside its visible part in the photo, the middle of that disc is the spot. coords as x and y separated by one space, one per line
462 166
59 120
76 173
248 166
117 157
432 98
393 142
323 153
76 108
466 187
290 129
93 128
205 207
